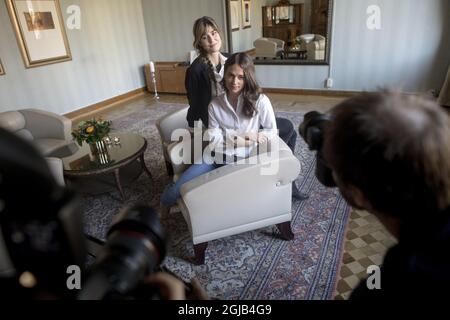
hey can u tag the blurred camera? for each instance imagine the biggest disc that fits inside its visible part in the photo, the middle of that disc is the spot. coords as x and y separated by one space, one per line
135 247
312 131
41 235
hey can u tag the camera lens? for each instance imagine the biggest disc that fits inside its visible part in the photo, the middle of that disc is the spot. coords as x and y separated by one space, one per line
135 246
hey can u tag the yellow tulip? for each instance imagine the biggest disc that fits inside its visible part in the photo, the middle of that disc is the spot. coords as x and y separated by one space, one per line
90 129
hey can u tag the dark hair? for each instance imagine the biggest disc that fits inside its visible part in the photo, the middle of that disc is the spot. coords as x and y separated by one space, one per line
251 89
200 27
396 149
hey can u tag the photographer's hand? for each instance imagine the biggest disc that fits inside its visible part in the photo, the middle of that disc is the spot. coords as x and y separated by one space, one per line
198 292
250 138
170 287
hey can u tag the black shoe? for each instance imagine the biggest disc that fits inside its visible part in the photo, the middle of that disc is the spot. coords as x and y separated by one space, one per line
296 194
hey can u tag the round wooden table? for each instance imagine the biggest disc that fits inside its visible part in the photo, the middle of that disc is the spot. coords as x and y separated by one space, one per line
86 163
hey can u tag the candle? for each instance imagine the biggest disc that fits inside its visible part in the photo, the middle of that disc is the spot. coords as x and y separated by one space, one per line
152 66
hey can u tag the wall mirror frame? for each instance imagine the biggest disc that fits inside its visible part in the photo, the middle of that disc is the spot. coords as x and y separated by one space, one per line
286 56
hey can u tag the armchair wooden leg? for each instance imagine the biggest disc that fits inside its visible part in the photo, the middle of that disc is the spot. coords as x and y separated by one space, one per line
285 230
199 250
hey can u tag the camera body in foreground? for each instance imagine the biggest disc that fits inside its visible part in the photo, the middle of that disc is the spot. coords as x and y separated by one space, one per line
41 235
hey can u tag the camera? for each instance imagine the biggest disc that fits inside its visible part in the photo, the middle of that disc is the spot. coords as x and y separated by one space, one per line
135 247
41 235
312 131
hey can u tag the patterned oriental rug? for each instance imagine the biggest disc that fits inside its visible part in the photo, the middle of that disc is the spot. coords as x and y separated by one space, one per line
252 265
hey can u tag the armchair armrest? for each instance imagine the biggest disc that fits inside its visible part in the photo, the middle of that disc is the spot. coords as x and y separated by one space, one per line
279 42
287 164
171 121
56 168
172 151
321 42
44 124
207 197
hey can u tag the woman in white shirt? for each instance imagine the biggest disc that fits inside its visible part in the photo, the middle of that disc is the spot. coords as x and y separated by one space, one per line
235 120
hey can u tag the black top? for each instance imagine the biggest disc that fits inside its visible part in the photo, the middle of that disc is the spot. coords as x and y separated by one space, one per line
418 267
199 91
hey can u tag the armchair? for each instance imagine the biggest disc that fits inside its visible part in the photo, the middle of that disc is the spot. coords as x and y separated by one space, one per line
166 125
269 47
48 131
238 197
314 47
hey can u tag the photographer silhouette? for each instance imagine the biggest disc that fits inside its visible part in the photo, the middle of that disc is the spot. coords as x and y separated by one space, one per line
389 154
41 236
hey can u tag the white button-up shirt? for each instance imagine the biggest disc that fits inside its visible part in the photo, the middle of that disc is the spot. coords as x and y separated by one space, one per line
225 123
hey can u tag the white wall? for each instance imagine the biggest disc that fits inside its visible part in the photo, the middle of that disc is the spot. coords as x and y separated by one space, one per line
108 53
243 39
411 51
169 25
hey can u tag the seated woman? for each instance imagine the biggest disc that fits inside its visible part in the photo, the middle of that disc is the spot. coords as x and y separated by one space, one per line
235 117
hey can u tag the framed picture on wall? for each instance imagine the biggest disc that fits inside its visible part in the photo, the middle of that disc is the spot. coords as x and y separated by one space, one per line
246 14
40 32
2 71
234 15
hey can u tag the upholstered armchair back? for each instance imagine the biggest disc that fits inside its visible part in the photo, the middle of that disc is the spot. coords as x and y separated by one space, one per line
268 47
316 48
49 132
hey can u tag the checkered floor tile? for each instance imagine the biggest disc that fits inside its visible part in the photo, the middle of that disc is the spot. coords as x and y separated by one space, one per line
366 244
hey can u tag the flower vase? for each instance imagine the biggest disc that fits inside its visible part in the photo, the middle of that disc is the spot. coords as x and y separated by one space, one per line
98 147
100 151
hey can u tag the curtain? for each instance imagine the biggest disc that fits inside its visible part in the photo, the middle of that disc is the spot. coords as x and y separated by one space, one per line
444 96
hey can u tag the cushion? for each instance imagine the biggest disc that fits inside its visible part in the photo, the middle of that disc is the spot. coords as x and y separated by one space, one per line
49 147
25 134
12 121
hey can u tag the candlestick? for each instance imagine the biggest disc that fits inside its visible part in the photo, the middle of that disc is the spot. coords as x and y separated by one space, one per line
152 71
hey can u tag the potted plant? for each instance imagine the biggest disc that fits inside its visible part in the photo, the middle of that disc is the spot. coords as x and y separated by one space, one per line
92 132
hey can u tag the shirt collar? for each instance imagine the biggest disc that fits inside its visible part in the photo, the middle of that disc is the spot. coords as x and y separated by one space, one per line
230 107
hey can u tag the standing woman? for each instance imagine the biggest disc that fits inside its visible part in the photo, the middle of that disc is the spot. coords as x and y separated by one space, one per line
206 72
203 83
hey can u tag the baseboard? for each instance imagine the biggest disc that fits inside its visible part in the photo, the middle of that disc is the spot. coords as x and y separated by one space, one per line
106 103
308 92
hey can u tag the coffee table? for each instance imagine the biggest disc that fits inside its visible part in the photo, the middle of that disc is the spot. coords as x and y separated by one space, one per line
295 53
86 164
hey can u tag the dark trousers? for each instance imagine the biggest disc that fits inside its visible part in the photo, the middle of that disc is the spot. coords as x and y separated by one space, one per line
287 132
